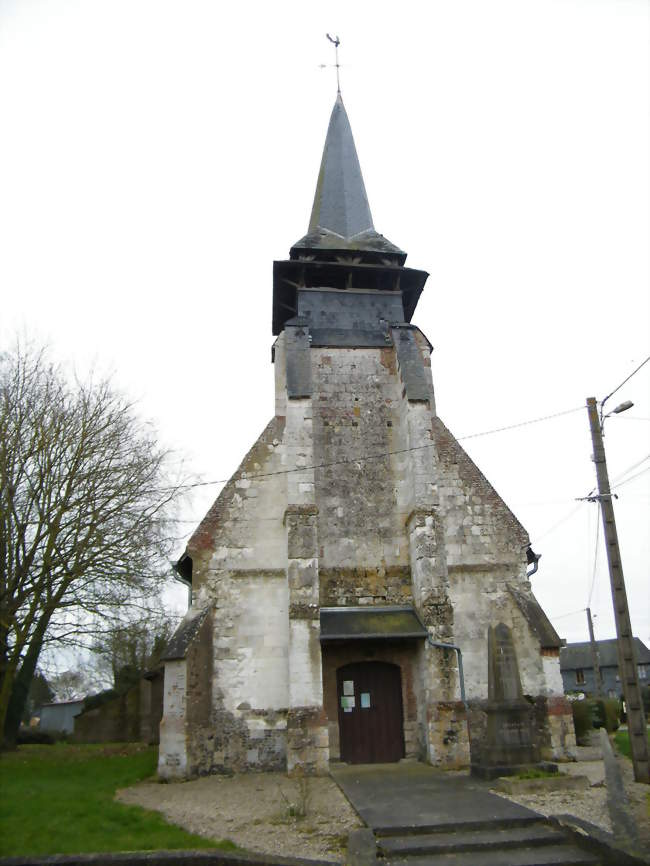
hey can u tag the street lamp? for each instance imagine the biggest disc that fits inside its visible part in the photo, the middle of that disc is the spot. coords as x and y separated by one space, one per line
627 663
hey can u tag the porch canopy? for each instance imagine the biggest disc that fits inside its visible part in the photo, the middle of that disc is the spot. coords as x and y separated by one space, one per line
394 622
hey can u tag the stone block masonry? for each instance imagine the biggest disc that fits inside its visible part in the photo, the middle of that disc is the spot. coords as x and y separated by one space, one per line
394 512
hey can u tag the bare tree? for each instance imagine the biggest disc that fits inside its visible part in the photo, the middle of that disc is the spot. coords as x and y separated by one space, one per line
85 525
133 647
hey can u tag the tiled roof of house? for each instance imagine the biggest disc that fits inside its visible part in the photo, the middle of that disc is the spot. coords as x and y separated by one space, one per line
578 655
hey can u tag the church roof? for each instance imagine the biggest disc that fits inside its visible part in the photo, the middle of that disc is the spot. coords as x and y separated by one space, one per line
340 216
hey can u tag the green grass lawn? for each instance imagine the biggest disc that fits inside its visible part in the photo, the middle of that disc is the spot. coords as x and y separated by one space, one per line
59 800
622 741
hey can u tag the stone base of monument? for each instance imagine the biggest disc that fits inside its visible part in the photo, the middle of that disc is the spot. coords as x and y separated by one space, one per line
495 771
510 746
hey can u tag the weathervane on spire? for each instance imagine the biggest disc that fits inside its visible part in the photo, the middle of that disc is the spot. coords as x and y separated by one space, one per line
335 42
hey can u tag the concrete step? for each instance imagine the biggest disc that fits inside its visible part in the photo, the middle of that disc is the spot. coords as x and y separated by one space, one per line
458 825
552 855
470 840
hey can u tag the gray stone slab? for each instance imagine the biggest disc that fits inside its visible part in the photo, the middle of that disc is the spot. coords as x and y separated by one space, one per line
557 855
471 840
408 796
298 362
411 366
362 848
623 823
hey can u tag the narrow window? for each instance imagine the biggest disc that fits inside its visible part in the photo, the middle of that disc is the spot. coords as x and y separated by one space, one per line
580 676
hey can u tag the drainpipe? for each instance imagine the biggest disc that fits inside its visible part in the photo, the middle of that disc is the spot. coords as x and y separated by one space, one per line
533 559
453 646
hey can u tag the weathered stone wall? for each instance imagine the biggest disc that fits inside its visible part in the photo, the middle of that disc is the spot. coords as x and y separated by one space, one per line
250 688
151 707
341 587
361 505
243 531
117 721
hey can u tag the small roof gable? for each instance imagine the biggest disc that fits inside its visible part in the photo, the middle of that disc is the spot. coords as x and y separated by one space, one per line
184 635
536 618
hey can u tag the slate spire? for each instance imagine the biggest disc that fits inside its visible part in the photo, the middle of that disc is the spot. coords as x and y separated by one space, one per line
340 217
340 203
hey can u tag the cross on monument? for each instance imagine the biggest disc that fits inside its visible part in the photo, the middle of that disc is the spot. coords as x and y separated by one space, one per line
335 42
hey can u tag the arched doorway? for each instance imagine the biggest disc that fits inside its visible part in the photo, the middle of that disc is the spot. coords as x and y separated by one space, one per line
369 697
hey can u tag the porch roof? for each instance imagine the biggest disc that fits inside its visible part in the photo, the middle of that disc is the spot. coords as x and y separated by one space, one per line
370 623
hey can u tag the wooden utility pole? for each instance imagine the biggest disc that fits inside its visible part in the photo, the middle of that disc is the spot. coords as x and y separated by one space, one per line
598 683
627 664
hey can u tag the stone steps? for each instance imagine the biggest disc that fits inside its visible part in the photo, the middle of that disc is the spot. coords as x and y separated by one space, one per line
494 843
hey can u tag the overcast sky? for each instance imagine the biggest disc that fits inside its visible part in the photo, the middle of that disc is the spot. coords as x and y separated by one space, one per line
155 157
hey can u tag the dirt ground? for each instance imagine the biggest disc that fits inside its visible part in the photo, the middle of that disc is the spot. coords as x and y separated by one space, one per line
256 811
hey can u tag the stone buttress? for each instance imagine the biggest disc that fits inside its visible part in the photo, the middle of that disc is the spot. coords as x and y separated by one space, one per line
356 535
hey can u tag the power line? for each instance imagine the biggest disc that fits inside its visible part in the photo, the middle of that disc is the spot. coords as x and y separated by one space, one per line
572 613
593 577
630 468
631 478
619 476
521 423
559 523
618 387
383 454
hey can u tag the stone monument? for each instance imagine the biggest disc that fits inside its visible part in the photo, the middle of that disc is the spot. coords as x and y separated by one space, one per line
509 744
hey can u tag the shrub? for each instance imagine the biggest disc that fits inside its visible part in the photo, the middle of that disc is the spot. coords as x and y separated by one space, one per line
36 737
582 720
606 713
612 714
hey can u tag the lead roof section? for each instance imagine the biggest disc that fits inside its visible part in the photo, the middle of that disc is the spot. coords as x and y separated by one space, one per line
390 622
184 635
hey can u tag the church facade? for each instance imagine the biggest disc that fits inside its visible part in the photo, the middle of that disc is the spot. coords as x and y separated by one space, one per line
344 581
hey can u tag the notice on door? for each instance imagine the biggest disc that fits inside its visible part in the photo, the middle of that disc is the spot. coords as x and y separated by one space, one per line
347 702
365 700
348 687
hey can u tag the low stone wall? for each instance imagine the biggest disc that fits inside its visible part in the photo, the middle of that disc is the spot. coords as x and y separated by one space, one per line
128 718
117 721
164 858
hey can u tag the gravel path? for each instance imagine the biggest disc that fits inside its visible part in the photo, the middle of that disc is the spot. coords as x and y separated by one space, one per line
252 810
591 804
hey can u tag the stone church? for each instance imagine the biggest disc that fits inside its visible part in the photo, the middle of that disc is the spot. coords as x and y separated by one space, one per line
344 581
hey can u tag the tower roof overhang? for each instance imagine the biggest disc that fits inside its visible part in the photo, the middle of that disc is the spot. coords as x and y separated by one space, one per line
289 276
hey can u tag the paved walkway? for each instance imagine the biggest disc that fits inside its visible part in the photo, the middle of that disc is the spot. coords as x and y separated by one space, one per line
397 797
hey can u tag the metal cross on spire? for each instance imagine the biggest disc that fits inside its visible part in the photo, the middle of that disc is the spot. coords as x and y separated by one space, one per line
335 42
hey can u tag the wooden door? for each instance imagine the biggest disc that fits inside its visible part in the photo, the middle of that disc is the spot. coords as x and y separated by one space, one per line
369 696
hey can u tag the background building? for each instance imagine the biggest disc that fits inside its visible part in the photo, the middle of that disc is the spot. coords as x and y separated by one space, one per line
576 663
